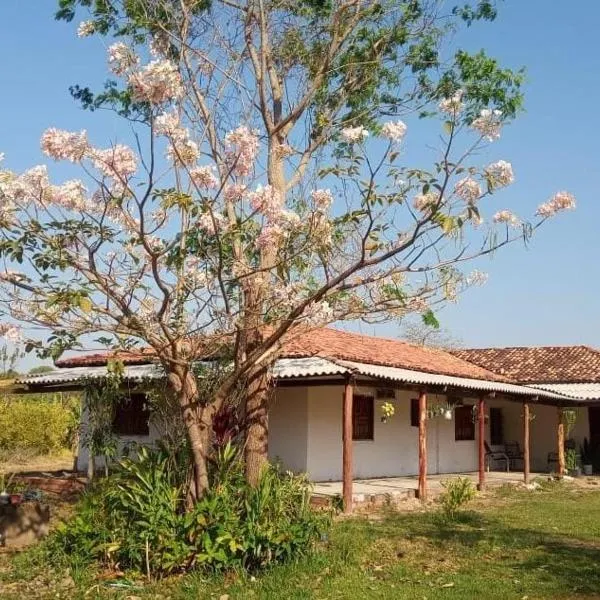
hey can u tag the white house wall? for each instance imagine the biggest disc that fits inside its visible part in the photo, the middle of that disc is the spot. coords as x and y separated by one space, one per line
288 428
305 435
123 441
394 449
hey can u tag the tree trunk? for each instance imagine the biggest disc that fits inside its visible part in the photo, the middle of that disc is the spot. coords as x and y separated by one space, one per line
257 424
197 423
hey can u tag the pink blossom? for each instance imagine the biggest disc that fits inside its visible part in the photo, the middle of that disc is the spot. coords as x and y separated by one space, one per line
204 177
499 174
183 151
323 199
85 29
71 195
242 148
477 278
270 236
289 219
353 135
169 125
64 145
560 201
10 332
453 105
505 216
234 192
468 189
31 186
488 124
266 201
394 130
157 83
211 222
119 162
425 202
121 58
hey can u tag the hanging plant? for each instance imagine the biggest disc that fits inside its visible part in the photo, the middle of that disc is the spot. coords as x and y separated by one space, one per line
445 410
387 411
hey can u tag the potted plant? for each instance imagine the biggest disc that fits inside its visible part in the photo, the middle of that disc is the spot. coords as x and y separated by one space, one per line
585 451
571 463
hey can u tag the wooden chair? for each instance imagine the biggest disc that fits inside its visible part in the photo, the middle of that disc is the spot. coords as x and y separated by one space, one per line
495 455
514 453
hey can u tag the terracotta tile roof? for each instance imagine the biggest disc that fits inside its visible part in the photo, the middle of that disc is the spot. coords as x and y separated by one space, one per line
99 359
337 344
543 364
344 345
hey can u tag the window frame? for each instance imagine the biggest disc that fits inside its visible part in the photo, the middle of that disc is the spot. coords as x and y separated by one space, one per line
132 416
463 424
368 401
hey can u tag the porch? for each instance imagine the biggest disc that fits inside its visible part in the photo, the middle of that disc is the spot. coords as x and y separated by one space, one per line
365 490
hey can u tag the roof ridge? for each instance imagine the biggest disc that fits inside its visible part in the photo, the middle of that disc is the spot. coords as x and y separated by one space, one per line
546 347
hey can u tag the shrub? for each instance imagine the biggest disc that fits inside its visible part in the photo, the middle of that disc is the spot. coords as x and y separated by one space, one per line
457 492
36 425
135 519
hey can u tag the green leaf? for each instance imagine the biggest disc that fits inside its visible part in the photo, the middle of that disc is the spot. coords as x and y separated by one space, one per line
430 319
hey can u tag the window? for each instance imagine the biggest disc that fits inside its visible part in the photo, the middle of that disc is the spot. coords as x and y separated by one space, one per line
414 412
464 426
131 416
362 418
496 427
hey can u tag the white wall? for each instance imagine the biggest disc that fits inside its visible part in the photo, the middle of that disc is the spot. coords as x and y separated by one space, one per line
394 449
288 428
305 434
123 442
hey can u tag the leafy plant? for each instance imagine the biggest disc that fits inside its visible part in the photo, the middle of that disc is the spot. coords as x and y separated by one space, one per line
136 518
37 424
457 492
571 459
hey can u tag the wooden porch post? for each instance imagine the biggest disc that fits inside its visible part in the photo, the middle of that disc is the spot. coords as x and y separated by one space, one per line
422 491
526 421
561 442
481 441
347 445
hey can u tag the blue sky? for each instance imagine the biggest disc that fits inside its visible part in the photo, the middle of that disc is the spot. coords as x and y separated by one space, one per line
544 294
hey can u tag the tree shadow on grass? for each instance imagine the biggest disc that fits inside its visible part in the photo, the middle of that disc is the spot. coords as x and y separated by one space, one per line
565 564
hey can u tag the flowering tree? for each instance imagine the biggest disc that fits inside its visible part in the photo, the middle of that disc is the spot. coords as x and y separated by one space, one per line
268 191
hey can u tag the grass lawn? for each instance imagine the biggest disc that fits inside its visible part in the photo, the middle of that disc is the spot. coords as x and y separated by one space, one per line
517 545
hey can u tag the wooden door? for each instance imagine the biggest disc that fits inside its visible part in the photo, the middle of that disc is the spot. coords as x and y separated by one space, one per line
594 418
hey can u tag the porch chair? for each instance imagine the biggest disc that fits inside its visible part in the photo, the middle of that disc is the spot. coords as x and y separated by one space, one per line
514 453
495 455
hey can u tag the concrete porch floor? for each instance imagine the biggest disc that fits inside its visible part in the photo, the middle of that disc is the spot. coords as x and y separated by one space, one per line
406 486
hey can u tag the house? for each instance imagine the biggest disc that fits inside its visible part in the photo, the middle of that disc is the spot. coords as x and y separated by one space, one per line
326 414
573 371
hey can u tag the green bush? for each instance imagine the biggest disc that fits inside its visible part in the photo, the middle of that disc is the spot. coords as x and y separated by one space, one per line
135 519
36 425
457 492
